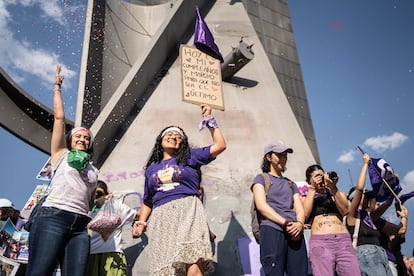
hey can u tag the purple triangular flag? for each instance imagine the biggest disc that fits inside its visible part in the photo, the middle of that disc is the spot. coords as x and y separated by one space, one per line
405 197
204 40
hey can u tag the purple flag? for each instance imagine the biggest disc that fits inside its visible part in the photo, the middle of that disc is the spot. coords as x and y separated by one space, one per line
204 40
382 178
405 197
381 174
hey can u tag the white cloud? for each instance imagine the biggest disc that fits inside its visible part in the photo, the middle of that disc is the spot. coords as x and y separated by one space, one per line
38 62
383 143
407 182
52 9
21 58
4 15
346 157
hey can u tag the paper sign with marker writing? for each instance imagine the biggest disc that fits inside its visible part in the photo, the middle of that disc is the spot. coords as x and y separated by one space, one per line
201 78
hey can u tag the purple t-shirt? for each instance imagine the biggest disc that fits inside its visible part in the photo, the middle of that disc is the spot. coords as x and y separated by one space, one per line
166 181
279 197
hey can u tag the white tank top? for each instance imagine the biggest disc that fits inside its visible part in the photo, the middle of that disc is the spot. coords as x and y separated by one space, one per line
70 189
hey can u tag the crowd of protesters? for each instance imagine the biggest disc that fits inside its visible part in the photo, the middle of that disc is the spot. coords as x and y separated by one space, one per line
178 225
348 233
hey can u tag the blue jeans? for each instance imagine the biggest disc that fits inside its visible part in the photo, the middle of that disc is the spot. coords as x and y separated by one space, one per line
58 237
373 260
279 254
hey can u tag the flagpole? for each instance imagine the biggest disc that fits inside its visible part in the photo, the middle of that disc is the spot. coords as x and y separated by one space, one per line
350 178
391 190
386 183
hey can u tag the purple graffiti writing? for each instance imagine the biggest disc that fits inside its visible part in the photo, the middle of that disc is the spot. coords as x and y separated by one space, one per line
111 177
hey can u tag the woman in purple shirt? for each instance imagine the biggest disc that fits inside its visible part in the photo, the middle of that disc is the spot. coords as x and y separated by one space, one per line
281 216
177 230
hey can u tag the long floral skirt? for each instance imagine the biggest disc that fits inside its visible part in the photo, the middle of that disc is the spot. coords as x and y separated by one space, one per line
178 234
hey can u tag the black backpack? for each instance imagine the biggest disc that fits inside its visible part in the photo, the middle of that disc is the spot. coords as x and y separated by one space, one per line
253 211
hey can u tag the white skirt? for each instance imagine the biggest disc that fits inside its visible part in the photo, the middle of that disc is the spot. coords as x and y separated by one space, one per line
178 234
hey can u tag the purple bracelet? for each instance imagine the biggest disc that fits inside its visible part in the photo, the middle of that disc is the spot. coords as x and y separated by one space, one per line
209 122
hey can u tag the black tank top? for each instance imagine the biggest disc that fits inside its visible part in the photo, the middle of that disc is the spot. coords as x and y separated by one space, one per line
366 234
324 205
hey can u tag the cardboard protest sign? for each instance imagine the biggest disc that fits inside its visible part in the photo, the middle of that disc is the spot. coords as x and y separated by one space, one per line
201 78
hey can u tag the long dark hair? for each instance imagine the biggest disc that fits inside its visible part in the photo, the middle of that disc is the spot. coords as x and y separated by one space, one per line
311 169
182 155
266 163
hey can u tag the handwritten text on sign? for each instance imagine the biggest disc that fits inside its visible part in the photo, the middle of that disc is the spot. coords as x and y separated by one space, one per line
201 78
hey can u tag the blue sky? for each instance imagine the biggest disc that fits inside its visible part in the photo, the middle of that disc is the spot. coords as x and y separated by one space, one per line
358 66
357 62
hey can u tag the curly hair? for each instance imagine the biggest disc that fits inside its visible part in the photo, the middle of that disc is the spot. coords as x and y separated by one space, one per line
182 155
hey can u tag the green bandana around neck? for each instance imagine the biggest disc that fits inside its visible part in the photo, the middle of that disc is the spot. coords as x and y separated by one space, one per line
78 159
